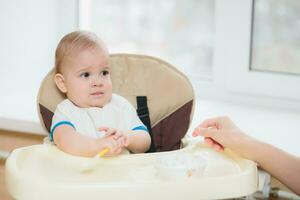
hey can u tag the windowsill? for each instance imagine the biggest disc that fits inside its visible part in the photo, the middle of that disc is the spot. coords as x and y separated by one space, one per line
22 126
18 112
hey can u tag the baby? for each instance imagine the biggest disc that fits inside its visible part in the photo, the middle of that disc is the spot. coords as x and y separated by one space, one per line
92 117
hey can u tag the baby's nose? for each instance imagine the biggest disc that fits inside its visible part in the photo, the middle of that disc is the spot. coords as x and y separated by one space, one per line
97 81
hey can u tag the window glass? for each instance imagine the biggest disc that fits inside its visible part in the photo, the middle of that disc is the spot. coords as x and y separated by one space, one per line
179 32
276 36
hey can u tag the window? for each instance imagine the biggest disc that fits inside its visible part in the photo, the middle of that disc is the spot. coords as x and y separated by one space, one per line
179 32
222 46
276 38
233 39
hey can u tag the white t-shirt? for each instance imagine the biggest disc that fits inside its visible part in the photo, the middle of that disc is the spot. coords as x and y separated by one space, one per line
118 114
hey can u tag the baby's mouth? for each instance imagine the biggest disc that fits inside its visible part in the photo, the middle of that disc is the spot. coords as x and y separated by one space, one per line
97 93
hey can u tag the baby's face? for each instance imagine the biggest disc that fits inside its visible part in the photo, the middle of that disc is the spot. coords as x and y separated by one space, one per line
87 78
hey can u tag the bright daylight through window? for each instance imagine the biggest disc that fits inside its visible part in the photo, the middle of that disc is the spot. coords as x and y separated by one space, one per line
276 38
179 32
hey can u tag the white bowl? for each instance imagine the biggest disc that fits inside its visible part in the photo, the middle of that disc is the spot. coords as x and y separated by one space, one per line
180 166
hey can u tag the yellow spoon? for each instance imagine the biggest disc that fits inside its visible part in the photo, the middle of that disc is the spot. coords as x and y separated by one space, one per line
102 152
92 164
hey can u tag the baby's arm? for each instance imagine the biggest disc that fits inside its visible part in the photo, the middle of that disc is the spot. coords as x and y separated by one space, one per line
138 141
135 132
70 141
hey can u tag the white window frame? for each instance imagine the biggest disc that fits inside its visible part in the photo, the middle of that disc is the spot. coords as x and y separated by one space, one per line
232 78
235 33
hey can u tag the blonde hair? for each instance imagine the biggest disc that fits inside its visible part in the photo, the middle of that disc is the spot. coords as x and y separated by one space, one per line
75 42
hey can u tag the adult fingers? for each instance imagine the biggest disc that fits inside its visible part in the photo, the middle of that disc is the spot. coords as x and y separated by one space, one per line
208 141
214 144
205 132
216 122
212 122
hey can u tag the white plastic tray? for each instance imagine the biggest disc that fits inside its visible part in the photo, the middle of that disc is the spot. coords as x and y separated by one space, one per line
194 172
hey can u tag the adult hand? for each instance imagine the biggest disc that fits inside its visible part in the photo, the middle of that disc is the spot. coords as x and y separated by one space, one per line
221 132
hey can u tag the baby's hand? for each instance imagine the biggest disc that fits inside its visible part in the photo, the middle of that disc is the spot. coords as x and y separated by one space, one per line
111 131
118 135
115 146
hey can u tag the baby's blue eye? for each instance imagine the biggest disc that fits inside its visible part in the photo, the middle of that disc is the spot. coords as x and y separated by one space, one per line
105 73
85 75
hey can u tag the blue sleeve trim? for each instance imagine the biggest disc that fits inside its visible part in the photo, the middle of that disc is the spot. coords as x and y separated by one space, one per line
140 128
57 125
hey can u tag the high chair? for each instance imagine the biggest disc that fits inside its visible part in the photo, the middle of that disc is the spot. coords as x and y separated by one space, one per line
177 168
160 92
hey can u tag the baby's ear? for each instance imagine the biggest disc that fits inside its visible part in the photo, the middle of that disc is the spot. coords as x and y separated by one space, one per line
60 82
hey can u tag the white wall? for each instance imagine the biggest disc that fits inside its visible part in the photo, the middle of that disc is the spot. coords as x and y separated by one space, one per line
29 33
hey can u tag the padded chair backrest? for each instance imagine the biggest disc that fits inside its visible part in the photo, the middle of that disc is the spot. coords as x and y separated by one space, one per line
169 93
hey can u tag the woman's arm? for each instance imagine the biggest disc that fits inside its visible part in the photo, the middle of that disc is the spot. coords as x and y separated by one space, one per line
281 165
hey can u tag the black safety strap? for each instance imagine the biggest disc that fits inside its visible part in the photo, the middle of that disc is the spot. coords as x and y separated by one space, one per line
143 113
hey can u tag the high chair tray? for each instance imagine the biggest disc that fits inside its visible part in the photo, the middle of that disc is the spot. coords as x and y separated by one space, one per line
194 172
